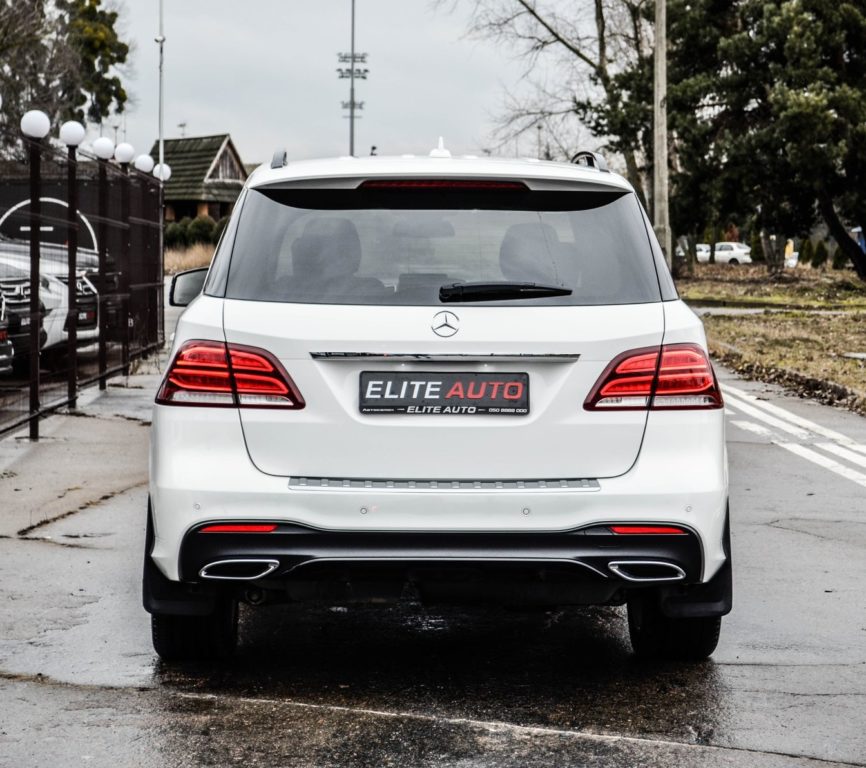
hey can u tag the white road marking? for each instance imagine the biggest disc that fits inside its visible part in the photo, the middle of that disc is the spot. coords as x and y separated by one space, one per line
752 427
758 414
822 461
854 458
805 430
793 418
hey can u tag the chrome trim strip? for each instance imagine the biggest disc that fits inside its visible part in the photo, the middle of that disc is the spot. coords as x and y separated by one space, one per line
480 357
384 484
455 559
617 565
270 567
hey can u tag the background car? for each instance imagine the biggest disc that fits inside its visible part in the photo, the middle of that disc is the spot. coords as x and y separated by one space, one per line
728 253
54 306
6 349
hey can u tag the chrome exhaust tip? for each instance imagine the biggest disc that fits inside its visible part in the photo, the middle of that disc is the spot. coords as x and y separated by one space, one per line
238 570
643 571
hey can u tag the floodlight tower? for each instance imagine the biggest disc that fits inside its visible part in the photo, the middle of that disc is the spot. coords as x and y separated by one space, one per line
350 73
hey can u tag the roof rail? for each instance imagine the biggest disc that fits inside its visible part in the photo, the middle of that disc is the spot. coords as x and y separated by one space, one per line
280 158
591 160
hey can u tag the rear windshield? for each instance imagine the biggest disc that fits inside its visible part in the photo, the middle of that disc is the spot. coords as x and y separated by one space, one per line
398 247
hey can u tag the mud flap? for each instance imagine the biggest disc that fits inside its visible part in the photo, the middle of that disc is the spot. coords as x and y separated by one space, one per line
162 596
715 598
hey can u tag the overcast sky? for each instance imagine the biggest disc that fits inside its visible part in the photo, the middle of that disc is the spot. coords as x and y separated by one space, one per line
265 72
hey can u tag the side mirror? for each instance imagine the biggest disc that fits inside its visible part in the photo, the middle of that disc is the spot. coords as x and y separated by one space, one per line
185 286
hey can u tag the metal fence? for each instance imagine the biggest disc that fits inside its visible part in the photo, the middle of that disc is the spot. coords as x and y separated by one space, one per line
80 277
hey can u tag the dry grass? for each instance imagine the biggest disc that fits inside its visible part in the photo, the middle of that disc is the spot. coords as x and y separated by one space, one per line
801 350
801 287
177 260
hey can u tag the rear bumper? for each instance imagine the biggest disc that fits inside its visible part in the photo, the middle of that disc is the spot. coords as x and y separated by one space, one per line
201 473
300 552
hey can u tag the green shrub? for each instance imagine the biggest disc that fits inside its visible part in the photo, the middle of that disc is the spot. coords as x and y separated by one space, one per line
201 230
175 235
218 229
757 246
819 259
840 260
807 252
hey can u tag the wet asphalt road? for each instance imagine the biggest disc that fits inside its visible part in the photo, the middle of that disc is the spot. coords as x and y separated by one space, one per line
405 686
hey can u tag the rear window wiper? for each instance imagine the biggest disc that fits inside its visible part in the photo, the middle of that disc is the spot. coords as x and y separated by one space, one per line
499 291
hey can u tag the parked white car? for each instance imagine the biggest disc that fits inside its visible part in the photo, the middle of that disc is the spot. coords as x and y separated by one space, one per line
54 298
726 253
467 378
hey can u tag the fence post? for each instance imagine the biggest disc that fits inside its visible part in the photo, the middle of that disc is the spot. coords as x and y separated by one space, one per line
35 313
72 276
103 282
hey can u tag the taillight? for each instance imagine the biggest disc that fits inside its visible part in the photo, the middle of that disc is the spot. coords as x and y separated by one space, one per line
239 528
462 184
647 530
227 375
674 376
4 334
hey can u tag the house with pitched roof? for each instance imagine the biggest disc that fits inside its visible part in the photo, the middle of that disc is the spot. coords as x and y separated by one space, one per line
207 175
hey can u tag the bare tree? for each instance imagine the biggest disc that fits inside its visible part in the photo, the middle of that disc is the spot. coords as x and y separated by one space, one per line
584 47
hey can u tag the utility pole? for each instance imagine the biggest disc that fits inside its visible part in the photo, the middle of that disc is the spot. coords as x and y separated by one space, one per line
661 214
160 40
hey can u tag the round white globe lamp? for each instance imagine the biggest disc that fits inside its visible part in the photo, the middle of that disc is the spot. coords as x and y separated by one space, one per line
103 148
35 124
72 133
143 163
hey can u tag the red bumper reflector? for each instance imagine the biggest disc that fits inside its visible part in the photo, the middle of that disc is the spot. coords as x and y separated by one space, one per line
267 528
648 530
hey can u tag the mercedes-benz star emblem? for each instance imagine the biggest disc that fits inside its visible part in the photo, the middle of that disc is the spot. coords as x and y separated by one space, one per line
445 324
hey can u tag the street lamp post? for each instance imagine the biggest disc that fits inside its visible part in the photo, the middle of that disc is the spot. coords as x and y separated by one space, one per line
72 134
124 154
35 126
103 148
661 214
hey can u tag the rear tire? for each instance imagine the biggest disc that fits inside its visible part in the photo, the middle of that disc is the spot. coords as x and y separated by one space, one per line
196 638
656 636
733 262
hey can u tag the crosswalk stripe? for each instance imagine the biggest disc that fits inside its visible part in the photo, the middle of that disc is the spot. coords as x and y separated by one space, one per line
756 413
752 427
822 461
793 418
844 453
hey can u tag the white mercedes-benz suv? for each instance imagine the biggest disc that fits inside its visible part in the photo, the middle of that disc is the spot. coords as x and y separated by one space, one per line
450 380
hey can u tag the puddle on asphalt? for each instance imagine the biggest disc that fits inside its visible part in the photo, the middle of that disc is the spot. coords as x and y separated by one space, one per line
566 669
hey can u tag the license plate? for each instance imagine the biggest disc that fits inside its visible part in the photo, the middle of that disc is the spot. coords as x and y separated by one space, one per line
25 322
496 394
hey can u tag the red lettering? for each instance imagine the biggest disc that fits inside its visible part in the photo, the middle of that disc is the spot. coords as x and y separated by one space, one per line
513 390
494 385
472 394
456 391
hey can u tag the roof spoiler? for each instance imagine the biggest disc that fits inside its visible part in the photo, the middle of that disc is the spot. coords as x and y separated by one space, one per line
591 160
280 158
